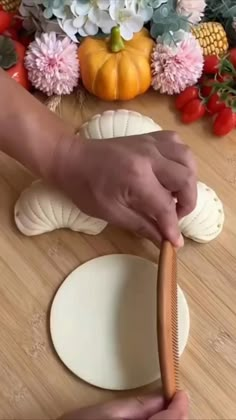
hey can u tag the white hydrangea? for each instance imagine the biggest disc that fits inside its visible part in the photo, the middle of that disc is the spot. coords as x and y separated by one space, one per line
126 17
86 17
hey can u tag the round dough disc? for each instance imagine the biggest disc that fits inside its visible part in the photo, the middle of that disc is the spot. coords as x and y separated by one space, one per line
103 322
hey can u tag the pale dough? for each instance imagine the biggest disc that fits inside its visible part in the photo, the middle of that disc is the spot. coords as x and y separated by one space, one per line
42 208
103 322
206 221
119 123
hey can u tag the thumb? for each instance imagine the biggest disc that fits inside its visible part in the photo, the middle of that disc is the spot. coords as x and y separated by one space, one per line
177 409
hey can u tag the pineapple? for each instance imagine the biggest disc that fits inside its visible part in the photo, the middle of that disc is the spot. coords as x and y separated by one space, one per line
212 38
10 5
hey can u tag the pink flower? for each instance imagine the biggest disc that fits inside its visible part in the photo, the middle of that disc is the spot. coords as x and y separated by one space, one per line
53 64
194 9
175 68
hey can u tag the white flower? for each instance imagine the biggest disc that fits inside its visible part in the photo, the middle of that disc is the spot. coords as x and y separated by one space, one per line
85 18
141 8
80 25
128 21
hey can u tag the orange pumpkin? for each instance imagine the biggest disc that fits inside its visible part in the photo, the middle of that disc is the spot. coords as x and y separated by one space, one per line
114 69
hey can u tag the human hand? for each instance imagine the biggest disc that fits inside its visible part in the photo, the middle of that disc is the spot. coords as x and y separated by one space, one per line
131 182
149 407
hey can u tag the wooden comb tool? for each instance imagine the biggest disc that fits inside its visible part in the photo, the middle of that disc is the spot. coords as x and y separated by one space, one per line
167 320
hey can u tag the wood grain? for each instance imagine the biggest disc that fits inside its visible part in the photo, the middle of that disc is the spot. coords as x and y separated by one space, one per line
34 384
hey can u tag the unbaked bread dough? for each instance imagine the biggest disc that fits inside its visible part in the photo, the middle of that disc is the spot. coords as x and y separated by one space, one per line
117 123
41 208
206 221
103 322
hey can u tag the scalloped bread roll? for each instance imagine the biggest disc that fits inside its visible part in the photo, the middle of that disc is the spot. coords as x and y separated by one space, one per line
206 221
118 123
41 208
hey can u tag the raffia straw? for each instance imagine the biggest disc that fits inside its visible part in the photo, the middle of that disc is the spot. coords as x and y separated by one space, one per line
53 102
81 95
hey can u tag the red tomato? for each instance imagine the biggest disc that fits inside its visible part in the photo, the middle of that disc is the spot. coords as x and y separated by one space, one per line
232 57
5 21
224 122
186 96
19 72
215 104
20 50
193 111
206 88
211 64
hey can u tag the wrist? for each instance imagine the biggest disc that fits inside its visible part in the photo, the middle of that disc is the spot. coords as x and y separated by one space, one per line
66 155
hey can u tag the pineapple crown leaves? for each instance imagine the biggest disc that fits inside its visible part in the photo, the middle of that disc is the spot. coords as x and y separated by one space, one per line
8 55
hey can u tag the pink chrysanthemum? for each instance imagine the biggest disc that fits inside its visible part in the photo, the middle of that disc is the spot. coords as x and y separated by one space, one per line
194 9
175 68
52 64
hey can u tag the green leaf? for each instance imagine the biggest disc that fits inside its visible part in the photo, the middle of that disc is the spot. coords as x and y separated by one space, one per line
8 55
224 96
230 12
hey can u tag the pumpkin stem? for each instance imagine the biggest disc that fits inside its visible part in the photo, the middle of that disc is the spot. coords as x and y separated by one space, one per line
116 41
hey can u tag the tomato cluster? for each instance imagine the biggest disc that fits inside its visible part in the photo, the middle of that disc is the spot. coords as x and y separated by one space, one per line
13 44
215 95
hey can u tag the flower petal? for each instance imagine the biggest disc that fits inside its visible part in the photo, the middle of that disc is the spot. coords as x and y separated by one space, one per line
106 23
126 31
80 8
90 28
114 11
146 13
60 13
79 21
136 23
95 15
68 27
103 4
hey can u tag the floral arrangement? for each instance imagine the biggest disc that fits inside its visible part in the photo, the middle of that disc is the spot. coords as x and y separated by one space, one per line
162 44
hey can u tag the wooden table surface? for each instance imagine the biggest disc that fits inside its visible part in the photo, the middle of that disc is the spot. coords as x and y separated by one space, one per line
34 383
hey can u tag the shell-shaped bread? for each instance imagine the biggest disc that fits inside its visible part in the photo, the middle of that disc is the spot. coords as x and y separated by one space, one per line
42 208
206 221
117 123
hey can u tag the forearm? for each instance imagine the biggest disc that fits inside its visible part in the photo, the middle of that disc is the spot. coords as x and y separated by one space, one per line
29 132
